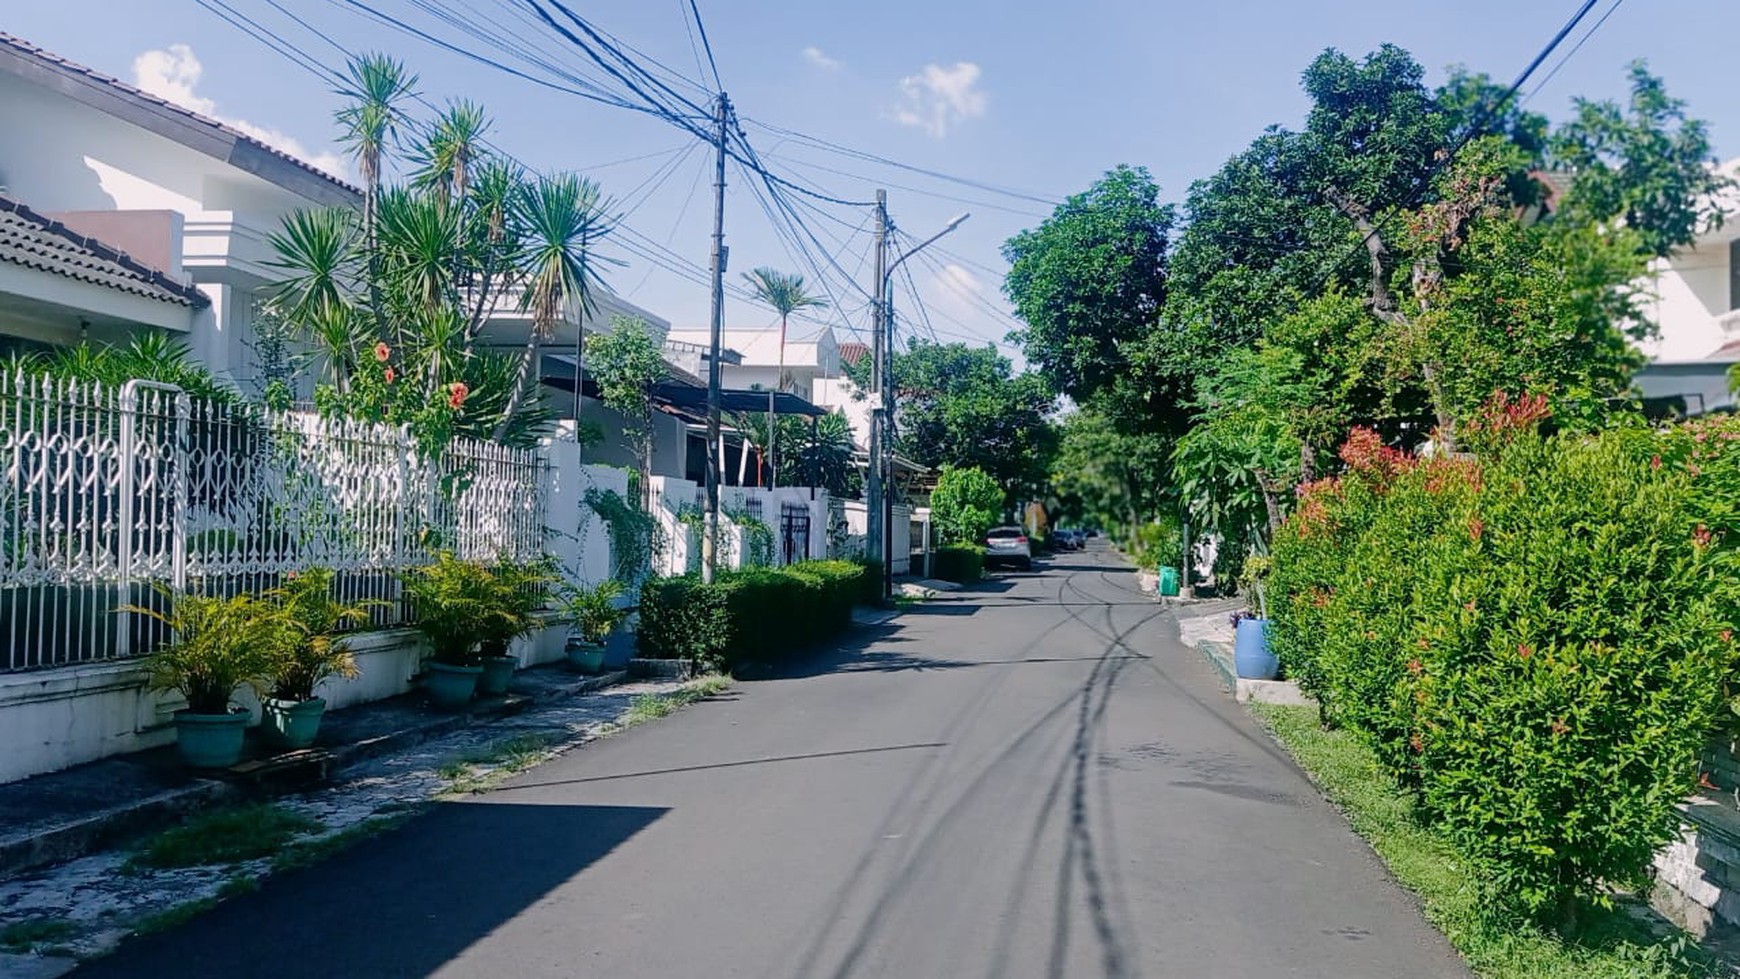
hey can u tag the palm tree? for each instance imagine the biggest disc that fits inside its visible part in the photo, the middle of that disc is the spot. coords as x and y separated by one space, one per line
785 295
562 217
375 86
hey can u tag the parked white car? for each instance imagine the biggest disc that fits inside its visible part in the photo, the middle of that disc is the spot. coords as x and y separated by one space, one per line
1009 545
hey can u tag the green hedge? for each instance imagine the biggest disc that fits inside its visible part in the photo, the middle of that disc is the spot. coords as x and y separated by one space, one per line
1537 639
757 614
960 563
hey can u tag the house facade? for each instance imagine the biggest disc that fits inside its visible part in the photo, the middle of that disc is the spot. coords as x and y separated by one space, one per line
179 194
1695 304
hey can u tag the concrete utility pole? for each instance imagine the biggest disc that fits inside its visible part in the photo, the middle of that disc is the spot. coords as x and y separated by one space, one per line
885 377
715 453
875 537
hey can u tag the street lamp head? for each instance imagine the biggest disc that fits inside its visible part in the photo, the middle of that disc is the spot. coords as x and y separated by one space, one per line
955 221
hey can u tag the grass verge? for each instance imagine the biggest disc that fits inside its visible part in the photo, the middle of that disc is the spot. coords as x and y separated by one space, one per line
223 836
32 933
1613 944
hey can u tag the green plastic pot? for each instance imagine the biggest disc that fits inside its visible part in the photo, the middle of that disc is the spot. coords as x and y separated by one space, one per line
498 672
587 657
210 740
451 687
291 723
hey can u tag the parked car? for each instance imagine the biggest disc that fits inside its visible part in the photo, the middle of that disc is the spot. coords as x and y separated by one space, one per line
1008 545
1077 538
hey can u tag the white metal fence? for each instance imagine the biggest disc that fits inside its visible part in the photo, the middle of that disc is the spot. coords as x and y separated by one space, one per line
106 492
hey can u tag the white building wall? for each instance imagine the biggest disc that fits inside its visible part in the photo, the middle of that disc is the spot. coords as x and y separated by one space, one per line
1690 297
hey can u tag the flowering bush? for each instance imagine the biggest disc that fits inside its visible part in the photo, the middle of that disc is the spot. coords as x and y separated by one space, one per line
1538 639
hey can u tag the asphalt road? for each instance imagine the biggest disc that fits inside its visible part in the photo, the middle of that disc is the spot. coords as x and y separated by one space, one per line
1033 778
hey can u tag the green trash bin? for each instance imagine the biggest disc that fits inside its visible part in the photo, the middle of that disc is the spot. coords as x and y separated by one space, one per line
1169 582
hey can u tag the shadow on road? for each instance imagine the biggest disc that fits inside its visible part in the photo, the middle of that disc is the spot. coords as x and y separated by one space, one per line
403 904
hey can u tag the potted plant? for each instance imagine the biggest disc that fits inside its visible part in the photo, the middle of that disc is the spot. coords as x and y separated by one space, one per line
452 602
290 716
594 613
1252 659
518 595
220 645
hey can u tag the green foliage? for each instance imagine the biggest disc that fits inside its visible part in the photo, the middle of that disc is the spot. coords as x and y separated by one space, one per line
315 618
519 589
961 563
626 363
220 645
457 605
224 836
759 614
1645 165
758 539
1108 475
1538 640
965 504
393 297
1089 279
1158 544
155 357
964 406
594 611
822 459
634 534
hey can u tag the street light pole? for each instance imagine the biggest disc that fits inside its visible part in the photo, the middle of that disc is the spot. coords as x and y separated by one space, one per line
885 460
874 491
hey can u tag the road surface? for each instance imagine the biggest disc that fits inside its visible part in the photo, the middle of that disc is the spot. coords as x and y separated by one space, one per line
1032 778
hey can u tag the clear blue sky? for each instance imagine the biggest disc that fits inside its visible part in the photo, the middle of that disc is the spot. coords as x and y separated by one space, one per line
1042 97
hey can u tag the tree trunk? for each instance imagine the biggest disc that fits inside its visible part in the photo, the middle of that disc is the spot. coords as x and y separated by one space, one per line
772 438
527 358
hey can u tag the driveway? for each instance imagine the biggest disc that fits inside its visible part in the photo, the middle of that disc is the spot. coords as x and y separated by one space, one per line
1029 778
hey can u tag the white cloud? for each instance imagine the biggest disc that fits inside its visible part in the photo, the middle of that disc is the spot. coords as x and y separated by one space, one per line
960 291
173 73
938 97
816 57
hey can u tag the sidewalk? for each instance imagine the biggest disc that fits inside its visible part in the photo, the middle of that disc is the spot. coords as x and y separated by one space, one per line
67 891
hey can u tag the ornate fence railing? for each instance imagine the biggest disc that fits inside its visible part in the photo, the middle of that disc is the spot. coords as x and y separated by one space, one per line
108 493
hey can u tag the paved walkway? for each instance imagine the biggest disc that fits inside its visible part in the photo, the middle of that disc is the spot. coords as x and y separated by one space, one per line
1030 778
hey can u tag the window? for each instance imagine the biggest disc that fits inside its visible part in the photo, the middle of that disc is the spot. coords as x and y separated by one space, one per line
1734 274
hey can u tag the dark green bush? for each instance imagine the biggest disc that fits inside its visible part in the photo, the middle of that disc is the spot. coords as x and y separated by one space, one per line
757 614
960 563
1539 640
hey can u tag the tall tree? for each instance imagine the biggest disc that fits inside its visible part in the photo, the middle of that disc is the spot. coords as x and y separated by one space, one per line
965 406
1090 280
563 217
785 294
376 87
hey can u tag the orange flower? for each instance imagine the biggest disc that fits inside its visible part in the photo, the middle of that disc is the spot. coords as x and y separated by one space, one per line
1727 635
382 352
456 393
390 375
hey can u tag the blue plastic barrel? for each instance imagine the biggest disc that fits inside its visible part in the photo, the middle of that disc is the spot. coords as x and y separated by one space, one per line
1251 656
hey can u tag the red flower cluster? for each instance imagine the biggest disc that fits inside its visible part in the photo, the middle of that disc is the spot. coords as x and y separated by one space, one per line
382 352
390 375
456 393
1502 416
1366 455
1312 514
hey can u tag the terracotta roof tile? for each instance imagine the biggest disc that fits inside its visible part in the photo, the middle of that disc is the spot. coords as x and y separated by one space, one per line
34 241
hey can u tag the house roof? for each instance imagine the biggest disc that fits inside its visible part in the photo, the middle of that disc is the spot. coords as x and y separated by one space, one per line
34 241
191 129
852 351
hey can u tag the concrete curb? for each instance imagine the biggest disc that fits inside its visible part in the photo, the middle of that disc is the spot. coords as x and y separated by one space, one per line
1283 692
90 832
